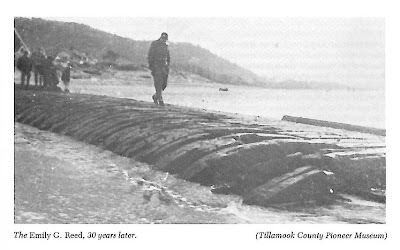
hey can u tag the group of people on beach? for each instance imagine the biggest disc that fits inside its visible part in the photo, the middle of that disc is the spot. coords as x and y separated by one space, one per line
44 70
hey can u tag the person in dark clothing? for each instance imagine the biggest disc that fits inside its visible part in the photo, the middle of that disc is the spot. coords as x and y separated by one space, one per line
159 60
24 64
47 65
50 77
54 79
38 58
66 77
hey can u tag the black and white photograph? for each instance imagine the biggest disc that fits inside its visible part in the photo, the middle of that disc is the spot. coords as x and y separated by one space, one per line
193 120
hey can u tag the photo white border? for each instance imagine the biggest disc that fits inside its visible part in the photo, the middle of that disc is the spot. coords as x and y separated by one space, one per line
201 236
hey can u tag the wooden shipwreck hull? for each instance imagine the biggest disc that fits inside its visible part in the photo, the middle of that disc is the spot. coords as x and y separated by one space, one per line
266 164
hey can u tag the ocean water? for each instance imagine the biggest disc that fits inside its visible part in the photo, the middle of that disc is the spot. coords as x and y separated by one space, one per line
358 107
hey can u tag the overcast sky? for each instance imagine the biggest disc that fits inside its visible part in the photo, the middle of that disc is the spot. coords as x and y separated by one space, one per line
349 51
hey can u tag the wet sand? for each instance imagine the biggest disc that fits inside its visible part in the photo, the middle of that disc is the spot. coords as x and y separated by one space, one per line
52 186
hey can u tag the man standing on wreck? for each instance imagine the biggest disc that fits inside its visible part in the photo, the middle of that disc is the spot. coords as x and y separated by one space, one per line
159 65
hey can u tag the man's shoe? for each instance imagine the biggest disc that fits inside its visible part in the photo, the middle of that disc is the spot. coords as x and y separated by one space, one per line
161 103
154 99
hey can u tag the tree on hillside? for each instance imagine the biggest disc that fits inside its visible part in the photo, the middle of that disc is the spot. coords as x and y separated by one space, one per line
17 43
111 56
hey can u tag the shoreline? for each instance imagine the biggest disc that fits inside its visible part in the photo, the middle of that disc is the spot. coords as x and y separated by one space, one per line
196 92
